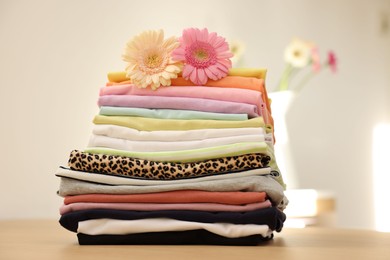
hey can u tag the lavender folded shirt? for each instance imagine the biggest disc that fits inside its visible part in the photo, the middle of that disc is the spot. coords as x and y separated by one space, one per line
185 103
216 93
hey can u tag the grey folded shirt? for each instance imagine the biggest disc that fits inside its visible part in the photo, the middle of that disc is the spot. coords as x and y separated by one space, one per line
267 184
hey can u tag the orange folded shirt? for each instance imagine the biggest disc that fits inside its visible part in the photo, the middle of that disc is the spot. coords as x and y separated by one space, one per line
182 196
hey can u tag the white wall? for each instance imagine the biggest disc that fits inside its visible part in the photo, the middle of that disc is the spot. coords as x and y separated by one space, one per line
54 56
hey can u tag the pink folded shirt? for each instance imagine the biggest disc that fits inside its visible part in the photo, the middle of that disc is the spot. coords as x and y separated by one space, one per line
223 94
212 207
186 103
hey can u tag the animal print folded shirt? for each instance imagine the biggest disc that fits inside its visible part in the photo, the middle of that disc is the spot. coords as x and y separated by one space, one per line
157 170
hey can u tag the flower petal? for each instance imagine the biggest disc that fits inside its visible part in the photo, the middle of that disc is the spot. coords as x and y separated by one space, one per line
226 63
148 80
160 36
214 69
166 75
165 82
170 44
225 55
141 84
193 76
172 68
219 42
210 74
186 38
204 35
222 67
192 34
202 78
212 37
222 48
188 68
197 34
178 54
155 79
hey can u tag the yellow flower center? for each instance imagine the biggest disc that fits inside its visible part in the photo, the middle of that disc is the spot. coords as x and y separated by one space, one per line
201 54
153 61
297 53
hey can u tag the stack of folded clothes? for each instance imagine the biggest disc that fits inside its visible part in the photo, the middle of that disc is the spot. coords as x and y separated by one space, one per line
181 164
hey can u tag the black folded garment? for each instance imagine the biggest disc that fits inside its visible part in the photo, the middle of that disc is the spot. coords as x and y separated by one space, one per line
191 237
272 216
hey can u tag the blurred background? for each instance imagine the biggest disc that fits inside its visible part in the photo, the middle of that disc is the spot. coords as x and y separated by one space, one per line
55 55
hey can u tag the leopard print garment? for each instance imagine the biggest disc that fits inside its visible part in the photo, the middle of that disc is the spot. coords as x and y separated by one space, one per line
138 168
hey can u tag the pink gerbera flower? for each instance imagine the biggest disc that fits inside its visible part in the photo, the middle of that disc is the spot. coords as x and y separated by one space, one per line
315 59
205 55
332 61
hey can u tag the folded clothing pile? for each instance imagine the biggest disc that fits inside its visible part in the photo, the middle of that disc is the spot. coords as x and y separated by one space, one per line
184 164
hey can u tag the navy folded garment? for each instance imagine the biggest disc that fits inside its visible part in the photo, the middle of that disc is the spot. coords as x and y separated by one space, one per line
272 216
191 237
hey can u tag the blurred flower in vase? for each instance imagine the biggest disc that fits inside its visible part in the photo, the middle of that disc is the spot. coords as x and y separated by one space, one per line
237 47
303 62
303 57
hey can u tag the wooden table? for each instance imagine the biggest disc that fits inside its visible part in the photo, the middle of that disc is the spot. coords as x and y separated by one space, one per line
46 239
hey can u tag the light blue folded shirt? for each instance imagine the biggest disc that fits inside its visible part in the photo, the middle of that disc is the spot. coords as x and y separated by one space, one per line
169 113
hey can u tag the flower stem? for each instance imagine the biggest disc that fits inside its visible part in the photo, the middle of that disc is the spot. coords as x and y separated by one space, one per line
308 77
304 81
284 80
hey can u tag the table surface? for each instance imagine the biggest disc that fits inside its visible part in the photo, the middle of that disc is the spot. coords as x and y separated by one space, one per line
46 239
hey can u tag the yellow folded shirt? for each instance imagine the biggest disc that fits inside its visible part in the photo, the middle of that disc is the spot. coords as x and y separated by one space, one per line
120 76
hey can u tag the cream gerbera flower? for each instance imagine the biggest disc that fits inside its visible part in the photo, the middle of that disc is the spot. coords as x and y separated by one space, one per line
298 53
149 59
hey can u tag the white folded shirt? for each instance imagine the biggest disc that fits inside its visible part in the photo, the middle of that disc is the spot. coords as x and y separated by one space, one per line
166 136
122 227
162 146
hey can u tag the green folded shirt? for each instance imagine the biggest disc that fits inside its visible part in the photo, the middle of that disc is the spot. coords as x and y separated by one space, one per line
193 155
